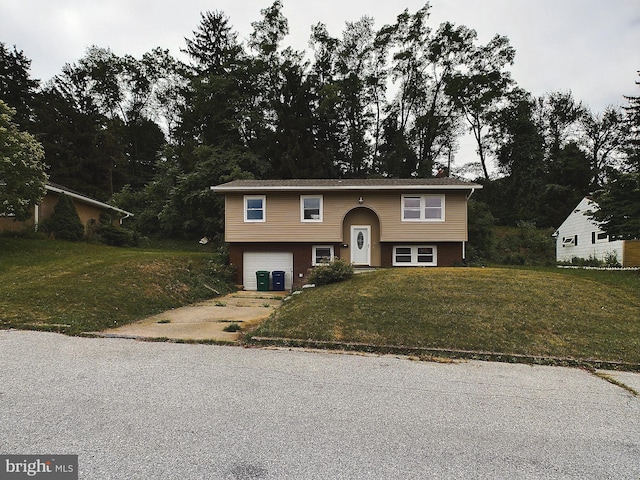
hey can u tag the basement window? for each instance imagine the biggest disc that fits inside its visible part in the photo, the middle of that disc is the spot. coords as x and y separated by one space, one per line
322 254
415 256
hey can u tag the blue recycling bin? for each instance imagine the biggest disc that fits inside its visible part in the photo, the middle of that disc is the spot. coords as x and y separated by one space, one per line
278 280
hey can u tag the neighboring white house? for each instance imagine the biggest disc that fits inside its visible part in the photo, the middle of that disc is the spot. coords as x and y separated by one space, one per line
579 236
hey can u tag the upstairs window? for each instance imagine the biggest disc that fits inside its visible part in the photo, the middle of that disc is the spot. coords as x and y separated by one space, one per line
599 237
255 208
311 208
422 208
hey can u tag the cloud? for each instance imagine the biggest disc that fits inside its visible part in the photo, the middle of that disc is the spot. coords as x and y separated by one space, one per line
587 46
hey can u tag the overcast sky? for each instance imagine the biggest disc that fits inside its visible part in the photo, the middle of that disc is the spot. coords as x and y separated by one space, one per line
591 47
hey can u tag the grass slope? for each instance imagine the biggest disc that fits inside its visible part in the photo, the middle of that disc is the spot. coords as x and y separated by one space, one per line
578 314
78 287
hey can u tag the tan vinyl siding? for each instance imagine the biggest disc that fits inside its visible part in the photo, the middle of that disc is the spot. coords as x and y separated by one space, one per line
283 218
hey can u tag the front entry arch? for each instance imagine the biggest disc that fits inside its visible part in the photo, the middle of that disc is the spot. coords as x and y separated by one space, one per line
361 237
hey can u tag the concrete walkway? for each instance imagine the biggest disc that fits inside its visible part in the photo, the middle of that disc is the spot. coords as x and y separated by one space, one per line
205 320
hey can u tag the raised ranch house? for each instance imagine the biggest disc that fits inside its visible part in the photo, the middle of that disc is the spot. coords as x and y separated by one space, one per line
293 225
581 237
88 210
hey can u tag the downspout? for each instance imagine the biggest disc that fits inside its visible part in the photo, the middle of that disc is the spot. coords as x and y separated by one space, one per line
469 196
123 218
36 217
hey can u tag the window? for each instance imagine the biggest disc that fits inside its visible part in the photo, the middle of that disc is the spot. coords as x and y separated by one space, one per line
311 208
570 241
425 208
255 208
599 237
414 255
322 254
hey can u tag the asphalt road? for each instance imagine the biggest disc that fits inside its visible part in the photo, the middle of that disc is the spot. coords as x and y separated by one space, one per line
136 410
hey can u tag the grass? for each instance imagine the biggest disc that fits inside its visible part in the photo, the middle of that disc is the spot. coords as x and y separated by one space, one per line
78 287
580 314
538 312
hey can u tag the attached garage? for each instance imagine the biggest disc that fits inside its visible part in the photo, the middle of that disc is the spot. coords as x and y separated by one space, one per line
266 261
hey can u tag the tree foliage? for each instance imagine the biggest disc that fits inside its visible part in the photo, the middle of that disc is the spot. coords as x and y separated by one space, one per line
17 88
64 223
153 133
22 173
619 206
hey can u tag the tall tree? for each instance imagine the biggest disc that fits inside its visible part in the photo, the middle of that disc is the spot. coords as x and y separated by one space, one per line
619 205
350 86
603 137
423 64
520 147
17 88
81 146
283 112
478 90
558 114
632 144
215 109
619 197
22 173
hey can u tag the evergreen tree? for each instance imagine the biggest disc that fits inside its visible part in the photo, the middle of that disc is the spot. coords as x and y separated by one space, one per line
65 223
619 205
17 89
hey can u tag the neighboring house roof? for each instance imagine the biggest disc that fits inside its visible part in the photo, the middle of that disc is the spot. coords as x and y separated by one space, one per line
83 198
586 205
347 184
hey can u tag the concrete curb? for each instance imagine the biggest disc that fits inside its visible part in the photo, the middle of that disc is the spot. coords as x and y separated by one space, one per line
590 364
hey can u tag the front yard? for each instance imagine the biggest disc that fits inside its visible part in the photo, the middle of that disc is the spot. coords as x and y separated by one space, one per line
535 312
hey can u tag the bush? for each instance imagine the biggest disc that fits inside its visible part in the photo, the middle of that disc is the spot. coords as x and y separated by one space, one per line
65 223
103 231
482 237
335 271
610 261
117 236
526 245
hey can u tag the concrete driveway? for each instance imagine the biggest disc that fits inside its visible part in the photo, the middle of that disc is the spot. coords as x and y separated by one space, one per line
205 320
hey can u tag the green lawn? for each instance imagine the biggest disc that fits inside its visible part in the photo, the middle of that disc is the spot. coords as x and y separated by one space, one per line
591 315
78 287
585 315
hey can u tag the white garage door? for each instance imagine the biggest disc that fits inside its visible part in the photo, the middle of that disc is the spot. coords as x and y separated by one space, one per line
266 261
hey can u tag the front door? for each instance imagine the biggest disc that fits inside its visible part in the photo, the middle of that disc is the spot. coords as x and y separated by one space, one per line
360 245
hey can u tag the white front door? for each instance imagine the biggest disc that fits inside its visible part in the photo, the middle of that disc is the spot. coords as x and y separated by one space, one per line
360 244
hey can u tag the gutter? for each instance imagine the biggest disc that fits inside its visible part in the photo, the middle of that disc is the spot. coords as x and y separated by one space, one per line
320 188
88 200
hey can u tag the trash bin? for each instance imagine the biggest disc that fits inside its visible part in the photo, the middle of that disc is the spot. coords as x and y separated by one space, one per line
278 280
263 280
